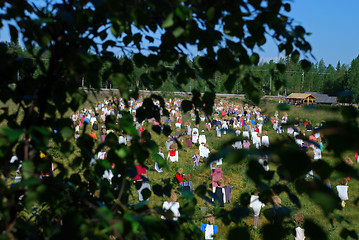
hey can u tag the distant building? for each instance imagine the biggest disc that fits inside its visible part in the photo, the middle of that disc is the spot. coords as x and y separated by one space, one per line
322 98
300 98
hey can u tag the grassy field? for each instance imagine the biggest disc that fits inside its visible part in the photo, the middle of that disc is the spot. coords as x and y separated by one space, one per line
240 182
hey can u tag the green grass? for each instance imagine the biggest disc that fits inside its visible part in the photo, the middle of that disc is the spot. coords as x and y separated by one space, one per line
240 182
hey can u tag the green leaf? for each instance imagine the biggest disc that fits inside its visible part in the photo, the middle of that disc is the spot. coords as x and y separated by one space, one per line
345 233
12 133
161 162
28 168
13 33
168 22
149 38
105 215
255 58
78 98
281 67
314 231
28 182
157 189
210 13
67 132
120 81
295 56
178 32
229 83
286 7
121 152
306 65
236 232
186 105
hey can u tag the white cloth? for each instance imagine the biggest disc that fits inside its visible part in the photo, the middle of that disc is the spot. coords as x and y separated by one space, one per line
92 120
122 140
256 204
290 130
157 168
299 141
223 193
246 134
265 141
299 233
195 131
224 127
202 139
174 158
145 185
264 162
260 127
195 138
238 132
342 192
219 133
256 140
317 154
173 207
101 155
204 152
237 145
108 175
13 160
254 134
208 234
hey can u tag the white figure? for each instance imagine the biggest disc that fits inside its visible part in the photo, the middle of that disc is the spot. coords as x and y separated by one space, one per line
225 127
202 139
256 205
265 141
173 155
238 132
219 133
195 135
246 134
264 162
204 151
299 233
122 140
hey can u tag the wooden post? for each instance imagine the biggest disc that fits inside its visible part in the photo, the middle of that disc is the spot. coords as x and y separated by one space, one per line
302 80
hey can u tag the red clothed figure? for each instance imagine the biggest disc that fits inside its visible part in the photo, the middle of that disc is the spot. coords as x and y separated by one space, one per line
216 175
179 178
172 153
140 171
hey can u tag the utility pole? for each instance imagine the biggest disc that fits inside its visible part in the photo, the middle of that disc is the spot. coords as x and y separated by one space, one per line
270 84
302 81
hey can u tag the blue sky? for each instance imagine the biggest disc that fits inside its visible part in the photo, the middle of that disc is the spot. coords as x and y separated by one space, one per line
334 28
333 24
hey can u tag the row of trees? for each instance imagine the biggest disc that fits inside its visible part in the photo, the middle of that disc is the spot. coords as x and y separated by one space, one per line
337 81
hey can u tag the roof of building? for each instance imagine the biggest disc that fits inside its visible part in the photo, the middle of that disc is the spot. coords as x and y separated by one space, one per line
300 96
323 98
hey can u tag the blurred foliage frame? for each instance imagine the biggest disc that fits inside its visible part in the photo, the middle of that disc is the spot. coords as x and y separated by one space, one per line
66 41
